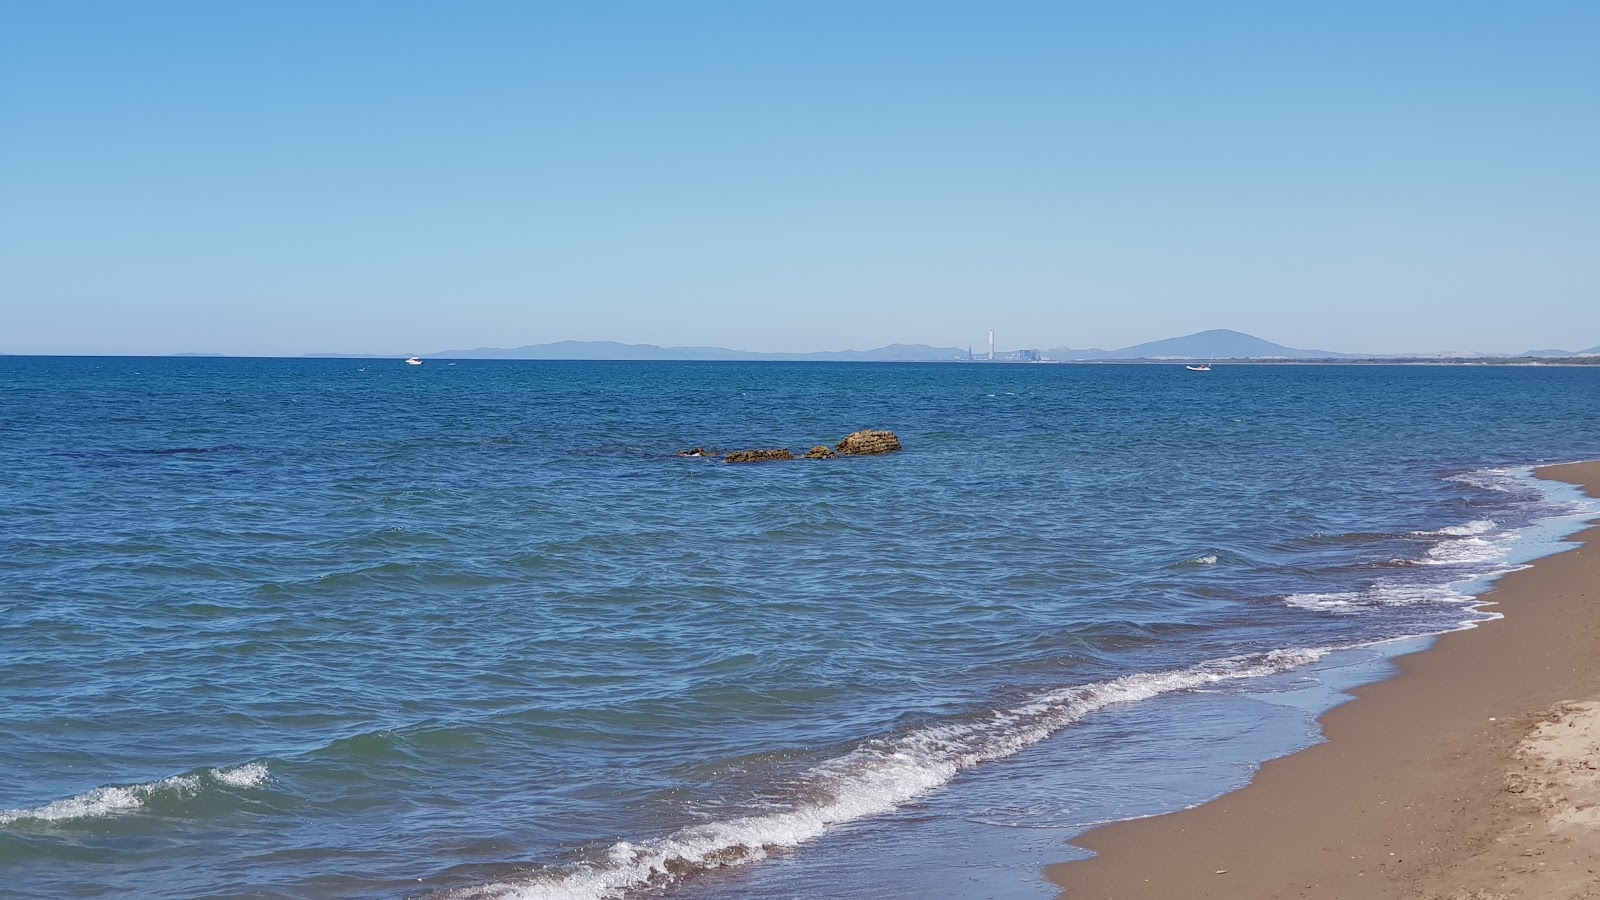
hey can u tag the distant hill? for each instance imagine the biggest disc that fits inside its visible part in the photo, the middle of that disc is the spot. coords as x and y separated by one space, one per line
1558 354
611 350
1218 343
1551 353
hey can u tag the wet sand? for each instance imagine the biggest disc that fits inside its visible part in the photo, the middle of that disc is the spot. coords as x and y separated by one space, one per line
1473 774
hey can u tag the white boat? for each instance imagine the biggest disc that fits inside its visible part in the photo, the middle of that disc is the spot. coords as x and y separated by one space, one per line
1203 367
414 361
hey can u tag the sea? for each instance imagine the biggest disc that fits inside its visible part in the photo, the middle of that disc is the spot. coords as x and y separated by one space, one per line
357 629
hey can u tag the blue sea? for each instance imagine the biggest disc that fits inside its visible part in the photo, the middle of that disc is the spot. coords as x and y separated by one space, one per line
351 628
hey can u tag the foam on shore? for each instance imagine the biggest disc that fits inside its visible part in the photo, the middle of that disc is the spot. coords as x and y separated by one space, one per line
882 775
1378 596
1403 824
874 778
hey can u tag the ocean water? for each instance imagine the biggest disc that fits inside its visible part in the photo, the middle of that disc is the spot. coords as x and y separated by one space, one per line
349 628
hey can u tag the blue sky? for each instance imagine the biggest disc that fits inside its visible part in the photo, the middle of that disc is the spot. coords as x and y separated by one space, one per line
284 178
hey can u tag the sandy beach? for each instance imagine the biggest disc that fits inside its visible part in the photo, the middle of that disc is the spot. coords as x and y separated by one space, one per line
1473 774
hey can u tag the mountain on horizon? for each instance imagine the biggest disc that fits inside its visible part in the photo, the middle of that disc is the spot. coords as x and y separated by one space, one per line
1561 354
1217 343
612 350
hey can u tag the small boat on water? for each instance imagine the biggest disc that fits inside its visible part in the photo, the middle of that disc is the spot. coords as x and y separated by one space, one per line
414 361
1203 367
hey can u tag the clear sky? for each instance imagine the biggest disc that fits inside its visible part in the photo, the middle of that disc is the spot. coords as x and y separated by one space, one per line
283 178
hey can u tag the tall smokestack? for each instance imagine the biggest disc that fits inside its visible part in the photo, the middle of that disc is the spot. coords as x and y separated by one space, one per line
991 345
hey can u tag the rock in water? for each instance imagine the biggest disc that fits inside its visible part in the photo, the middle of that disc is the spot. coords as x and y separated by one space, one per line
697 451
869 442
744 456
820 452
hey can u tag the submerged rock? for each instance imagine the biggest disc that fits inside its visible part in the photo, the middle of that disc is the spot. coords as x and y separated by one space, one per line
862 443
868 443
749 456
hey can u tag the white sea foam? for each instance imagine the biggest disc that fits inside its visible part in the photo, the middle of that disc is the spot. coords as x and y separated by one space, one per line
1503 480
1376 597
874 779
1563 499
1477 526
1469 544
246 776
106 801
1470 551
881 776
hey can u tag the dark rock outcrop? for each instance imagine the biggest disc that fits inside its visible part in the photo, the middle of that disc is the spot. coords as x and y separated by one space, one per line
868 443
862 443
749 456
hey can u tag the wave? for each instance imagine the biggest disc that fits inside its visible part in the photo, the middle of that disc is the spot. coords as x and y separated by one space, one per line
1476 550
1503 480
875 778
1475 527
1553 499
1378 596
1468 544
1470 551
1471 543
1226 558
105 801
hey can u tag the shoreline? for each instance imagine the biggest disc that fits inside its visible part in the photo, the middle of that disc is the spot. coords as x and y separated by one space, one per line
1473 772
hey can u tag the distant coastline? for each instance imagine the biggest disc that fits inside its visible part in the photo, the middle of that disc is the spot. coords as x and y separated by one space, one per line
1217 345
1455 361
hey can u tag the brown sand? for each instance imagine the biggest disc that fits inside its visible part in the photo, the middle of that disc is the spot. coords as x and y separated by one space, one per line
1473 774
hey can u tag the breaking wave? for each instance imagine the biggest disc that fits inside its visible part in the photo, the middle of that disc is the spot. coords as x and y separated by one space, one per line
1473 543
1507 480
871 780
1377 597
1475 527
106 801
